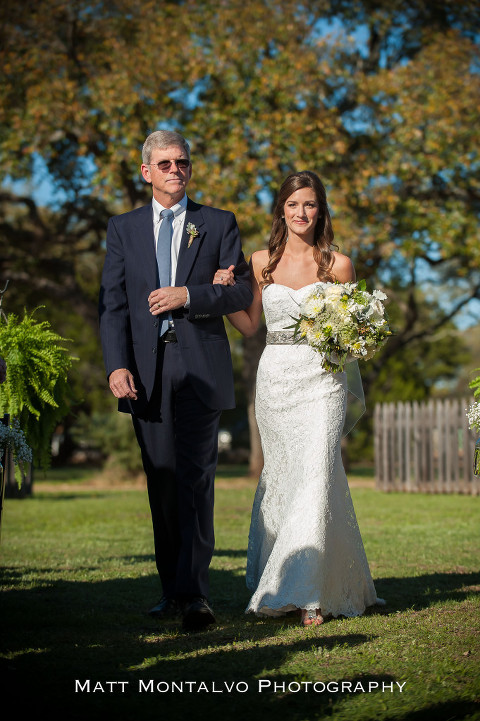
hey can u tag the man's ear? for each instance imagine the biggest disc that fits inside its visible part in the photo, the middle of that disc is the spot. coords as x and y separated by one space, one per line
145 170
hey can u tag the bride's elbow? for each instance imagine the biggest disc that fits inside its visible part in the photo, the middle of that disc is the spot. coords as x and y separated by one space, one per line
246 330
252 328
244 323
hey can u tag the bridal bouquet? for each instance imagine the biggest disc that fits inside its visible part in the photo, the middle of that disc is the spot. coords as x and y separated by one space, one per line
342 319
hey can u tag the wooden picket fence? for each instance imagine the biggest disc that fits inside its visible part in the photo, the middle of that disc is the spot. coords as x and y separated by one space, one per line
425 447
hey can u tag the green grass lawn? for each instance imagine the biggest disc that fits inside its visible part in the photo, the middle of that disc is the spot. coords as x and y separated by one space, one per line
78 577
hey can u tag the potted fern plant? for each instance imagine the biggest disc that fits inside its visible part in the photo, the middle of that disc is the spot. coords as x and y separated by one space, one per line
35 393
12 440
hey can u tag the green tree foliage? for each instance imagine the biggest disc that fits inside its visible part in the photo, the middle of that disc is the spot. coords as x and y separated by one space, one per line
380 98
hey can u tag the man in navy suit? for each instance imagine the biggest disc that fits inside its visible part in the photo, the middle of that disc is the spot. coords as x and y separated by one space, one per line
168 360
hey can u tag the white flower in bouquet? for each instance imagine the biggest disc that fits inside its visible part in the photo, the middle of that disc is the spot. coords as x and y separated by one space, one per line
343 320
375 311
313 306
336 290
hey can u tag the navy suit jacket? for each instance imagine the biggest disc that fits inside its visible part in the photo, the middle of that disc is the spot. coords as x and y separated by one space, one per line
129 332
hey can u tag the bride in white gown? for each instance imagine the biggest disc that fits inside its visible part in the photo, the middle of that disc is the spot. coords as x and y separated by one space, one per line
304 550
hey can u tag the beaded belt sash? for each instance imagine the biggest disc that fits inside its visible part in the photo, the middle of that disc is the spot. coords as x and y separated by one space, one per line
281 337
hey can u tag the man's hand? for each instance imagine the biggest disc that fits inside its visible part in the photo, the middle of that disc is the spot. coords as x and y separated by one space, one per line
122 384
224 277
166 299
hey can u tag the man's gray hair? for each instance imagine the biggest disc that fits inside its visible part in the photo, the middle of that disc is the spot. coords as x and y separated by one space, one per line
163 139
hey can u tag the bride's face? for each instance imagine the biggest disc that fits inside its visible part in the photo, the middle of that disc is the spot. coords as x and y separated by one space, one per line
301 213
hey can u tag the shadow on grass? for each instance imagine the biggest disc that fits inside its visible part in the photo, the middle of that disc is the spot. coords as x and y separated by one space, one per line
400 593
74 495
419 592
232 552
64 632
449 711
61 631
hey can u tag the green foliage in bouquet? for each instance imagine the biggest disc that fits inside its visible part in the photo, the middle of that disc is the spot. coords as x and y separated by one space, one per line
36 390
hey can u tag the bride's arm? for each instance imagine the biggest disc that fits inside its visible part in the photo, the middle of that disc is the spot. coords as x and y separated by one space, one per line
246 321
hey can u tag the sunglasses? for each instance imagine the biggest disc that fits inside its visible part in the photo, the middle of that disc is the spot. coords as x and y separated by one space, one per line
165 165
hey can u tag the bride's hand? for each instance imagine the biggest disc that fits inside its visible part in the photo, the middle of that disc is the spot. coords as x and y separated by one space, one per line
224 277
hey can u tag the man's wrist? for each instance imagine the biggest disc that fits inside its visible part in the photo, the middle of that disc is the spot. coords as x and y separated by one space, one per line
187 302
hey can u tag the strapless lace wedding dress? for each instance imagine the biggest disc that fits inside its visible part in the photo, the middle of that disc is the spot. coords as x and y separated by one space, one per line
304 548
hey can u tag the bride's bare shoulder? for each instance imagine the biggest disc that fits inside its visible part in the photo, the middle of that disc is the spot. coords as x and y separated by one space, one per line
260 257
342 268
258 260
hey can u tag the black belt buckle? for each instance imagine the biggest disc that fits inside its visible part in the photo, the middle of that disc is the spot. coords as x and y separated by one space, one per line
170 336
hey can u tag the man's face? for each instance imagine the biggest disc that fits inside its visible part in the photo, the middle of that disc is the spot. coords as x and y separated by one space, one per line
170 182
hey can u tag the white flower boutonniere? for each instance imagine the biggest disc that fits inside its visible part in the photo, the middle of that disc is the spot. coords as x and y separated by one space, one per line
192 232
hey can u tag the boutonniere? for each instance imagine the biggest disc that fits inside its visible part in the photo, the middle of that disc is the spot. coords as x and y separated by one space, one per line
192 233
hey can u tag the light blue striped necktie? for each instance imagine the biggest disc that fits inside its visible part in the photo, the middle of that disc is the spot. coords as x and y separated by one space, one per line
164 250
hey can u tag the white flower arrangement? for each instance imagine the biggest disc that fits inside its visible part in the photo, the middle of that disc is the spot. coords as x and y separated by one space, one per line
341 320
473 412
12 438
473 415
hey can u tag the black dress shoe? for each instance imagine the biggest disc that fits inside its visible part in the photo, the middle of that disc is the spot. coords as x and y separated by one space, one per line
197 614
166 608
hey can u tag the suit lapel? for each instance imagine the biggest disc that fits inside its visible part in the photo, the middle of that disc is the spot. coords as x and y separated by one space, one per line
187 255
145 245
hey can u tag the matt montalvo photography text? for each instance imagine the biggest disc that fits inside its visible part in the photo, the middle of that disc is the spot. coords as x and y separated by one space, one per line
261 686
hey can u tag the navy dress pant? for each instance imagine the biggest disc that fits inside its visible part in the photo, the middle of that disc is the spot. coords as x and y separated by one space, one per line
178 438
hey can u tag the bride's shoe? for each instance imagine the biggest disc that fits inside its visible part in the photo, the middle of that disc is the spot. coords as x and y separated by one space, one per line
311 617
307 617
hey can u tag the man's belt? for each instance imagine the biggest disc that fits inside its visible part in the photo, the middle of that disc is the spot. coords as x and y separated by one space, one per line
170 336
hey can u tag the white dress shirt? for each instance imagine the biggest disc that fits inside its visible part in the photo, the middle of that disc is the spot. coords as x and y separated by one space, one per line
178 222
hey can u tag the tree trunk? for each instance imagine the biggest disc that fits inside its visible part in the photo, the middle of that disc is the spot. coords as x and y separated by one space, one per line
12 490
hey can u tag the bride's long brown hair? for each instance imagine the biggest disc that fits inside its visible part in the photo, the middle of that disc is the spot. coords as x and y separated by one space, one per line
323 232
